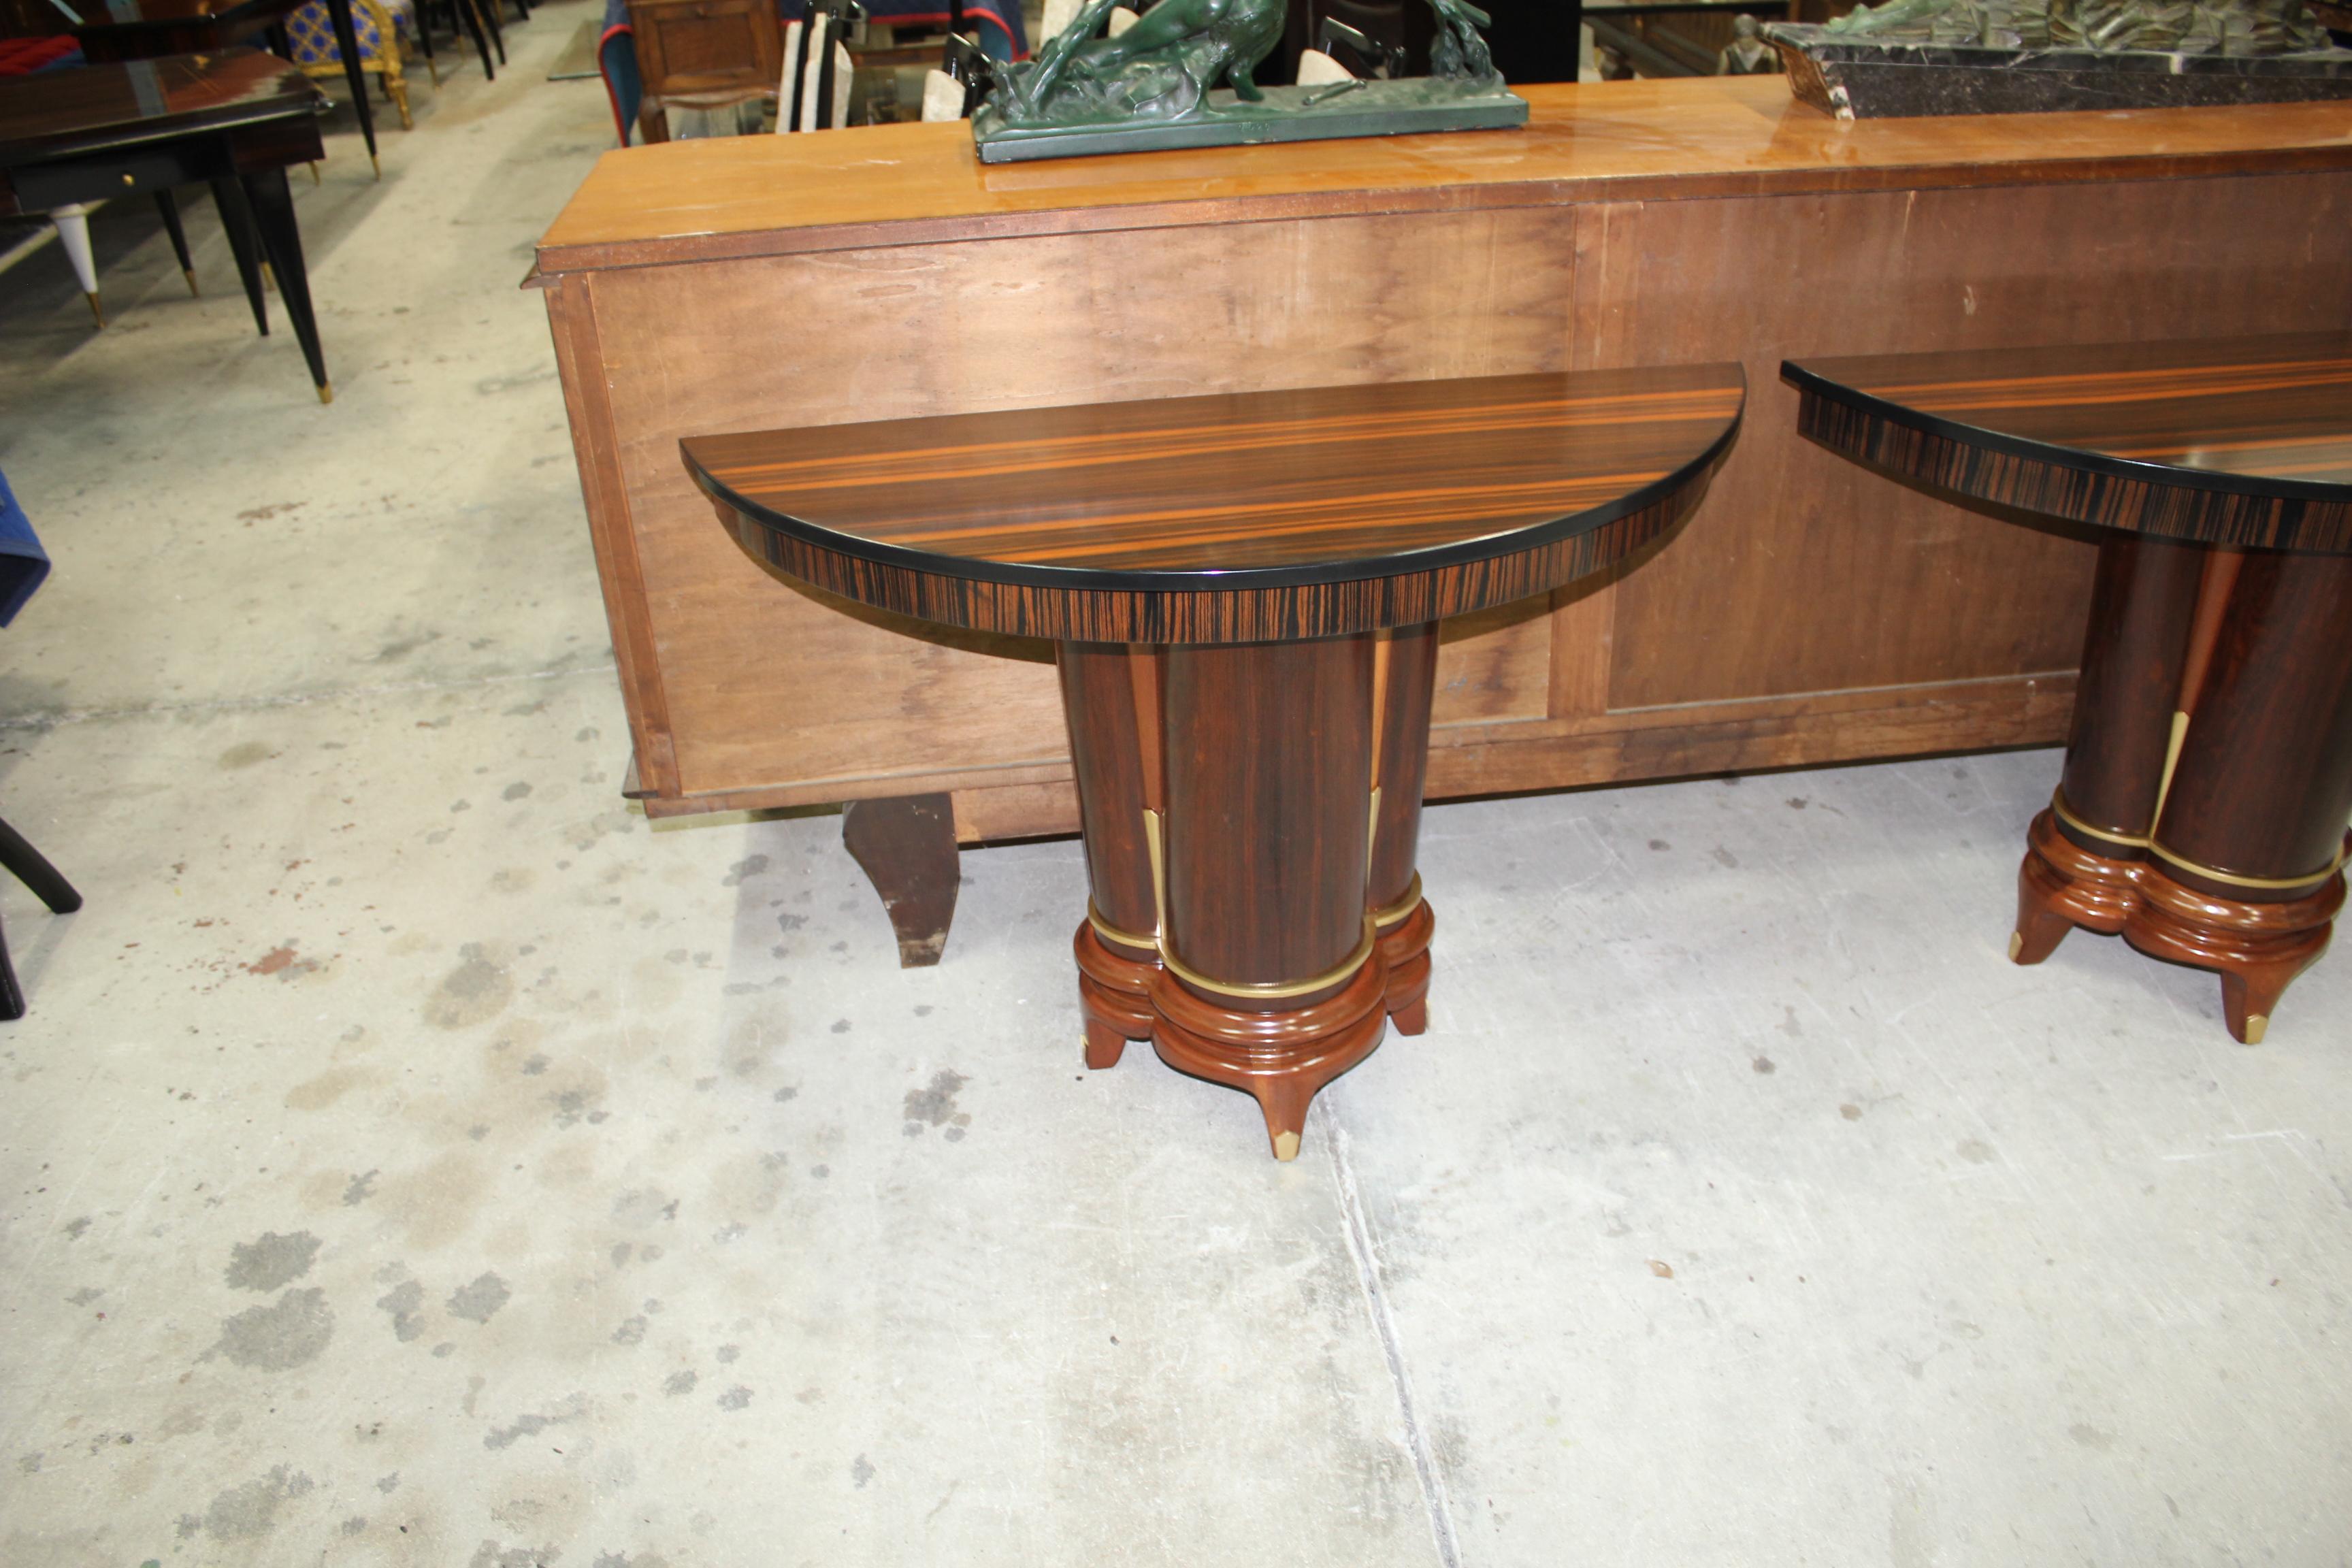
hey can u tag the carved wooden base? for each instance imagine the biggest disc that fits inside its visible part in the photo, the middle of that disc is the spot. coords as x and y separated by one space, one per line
1115 984
1250 817
1404 952
1281 1057
1114 995
2257 949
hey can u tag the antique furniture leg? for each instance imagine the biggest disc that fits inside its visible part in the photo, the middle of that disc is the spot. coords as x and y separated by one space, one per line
906 847
2086 849
1404 682
424 43
273 212
236 222
470 21
34 871
2245 872
488 10
347 43
168 206
72 224
1110 696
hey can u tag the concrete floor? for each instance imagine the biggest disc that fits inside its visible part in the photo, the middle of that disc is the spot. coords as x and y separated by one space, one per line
413 1158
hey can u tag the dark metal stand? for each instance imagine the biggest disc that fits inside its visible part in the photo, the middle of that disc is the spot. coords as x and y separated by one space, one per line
52 890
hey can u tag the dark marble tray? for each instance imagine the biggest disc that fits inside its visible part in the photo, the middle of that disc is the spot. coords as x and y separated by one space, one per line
1856 79
1286 114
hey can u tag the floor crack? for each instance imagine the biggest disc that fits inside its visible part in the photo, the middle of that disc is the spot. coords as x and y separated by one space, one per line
1376 1302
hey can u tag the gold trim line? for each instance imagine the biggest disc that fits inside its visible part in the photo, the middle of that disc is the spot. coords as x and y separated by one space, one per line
1110 932
2267 884
2058 804
1383 919
1345 969
2171 765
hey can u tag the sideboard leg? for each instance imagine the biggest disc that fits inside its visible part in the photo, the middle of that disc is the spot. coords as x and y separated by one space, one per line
907 846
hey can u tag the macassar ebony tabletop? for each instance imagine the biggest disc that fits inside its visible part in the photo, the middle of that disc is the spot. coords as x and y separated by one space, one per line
1244 590
2201 812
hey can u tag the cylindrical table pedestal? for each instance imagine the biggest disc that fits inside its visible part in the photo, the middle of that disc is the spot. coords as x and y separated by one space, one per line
1250 813
2202 810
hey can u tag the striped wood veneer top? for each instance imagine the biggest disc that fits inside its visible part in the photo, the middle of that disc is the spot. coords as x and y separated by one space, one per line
1244 517
2238 441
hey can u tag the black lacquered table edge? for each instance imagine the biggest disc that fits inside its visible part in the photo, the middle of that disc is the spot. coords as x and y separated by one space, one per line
1812 383
1348 569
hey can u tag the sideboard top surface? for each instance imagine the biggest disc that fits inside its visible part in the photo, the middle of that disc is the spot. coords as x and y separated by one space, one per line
1641 140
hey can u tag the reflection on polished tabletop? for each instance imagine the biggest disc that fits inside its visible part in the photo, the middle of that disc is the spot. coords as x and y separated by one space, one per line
53 114
1318 483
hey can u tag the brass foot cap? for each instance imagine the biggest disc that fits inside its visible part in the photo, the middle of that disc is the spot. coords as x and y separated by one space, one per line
2255 1024
1286 1145
189 273
2016 944
97 311
326 393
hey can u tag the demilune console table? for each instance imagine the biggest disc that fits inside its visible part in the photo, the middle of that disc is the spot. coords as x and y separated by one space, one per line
2202 813
1243 591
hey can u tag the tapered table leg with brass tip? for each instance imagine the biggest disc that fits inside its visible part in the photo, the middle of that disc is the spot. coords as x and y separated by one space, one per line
273 214
72 224
167 207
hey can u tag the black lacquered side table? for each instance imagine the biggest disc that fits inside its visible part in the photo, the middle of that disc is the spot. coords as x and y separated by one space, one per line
2201 812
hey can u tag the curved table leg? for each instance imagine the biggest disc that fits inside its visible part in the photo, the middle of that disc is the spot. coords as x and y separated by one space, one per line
906 847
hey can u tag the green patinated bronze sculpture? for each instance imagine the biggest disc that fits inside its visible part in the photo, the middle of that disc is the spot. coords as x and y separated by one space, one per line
1155 86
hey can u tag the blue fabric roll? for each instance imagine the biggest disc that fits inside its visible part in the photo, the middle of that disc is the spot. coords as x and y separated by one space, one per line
23 562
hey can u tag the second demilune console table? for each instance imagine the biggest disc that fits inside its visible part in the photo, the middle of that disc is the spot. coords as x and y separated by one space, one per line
2202 813
1243 591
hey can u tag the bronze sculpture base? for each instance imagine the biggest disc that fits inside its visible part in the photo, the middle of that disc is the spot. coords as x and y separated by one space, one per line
1285 114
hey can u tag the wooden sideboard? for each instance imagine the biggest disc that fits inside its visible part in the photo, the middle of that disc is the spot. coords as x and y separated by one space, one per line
1809 613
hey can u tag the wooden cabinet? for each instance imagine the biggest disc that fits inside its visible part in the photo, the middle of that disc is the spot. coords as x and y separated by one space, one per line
1809 613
